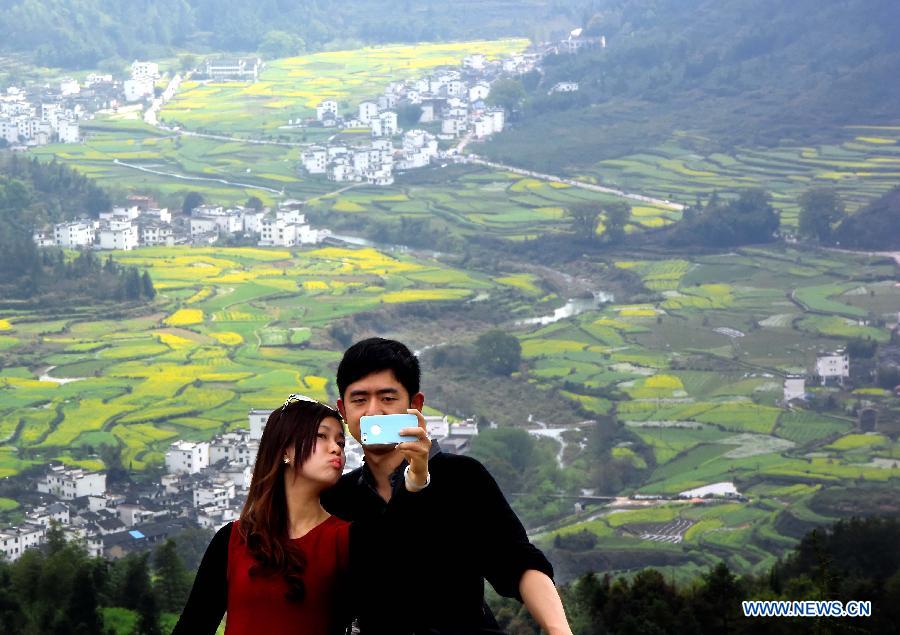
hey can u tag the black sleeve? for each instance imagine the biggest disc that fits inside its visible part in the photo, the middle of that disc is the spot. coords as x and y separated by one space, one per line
507 552
209 596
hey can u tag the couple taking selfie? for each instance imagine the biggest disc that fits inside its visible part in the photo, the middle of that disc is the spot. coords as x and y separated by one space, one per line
400 546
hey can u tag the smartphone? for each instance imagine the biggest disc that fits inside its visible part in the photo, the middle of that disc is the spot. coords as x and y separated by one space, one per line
385 429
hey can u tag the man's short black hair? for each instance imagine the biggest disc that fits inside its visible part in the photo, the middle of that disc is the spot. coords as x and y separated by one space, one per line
375 355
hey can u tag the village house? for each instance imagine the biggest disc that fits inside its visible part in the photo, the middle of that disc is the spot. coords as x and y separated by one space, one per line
144 70
118 234
75 234
794 388
70 483
833 367
231 68
326 107
185 457
15 540
563 87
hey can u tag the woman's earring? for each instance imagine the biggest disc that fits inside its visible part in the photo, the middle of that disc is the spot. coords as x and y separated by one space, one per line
287 461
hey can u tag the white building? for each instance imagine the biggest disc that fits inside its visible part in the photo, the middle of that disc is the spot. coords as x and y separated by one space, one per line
203 225
9 130
120 235
75 234
161 214
252 221
68 131
563 87
15 540
324 107
498 117
238 473
385 125
794 387
833 367
368 110
156 234
341 172
43 239
132 515
258 420
144 70
479 92
217 493
43 516
235 448
71 483
475 61
137 89
185 457
69 86
315 160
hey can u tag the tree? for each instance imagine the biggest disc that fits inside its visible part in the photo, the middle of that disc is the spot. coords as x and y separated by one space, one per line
147 288
254 203
277 44
191 201
821 210
617 215
408 115
498 352
172 580
506 93
82 614
148 616
585 218
188 62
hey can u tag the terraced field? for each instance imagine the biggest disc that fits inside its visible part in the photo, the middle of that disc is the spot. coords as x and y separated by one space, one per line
479 201
290 88
864 165
232 331
697 376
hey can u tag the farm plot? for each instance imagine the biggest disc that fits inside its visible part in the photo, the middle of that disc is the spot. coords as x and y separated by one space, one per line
192 369
858 168
289 89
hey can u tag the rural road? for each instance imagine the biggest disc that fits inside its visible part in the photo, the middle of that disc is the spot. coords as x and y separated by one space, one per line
587 186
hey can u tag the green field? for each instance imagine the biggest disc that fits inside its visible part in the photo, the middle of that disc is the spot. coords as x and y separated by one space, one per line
290 88
231 331
862 166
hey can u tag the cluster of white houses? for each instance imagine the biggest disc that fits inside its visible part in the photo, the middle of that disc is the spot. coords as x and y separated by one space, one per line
832 368
28 122
141 223
205 485
452 104
283 227
50 113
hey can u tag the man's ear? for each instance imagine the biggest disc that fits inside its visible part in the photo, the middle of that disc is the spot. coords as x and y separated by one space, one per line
340 407
417 401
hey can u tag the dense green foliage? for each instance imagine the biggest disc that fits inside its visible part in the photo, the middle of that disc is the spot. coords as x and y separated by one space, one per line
820 210
728 71
83 33
746 220
852 560
61 590
873 227
498 352
33 194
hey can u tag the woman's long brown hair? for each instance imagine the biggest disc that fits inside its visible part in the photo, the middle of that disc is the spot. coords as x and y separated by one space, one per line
264 519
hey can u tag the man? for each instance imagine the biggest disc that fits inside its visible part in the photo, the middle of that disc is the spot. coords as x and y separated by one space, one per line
466 533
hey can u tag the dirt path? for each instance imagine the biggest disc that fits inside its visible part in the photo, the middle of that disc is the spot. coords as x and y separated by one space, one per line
583 185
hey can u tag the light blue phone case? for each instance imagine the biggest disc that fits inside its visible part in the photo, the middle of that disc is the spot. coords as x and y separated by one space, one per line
379 429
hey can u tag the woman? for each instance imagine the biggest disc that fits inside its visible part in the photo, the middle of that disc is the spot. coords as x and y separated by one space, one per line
283 566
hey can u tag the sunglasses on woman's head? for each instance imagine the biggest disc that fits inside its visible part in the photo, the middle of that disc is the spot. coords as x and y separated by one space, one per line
295 398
